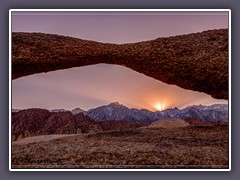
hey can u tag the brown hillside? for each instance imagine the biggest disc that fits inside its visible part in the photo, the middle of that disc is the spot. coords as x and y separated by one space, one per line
168 123
35 122
119 125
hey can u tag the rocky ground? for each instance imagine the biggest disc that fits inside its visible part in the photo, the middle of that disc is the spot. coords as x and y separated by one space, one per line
184 147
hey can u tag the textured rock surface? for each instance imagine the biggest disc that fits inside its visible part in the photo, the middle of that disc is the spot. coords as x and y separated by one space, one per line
28 122
84 124
34 122
196 61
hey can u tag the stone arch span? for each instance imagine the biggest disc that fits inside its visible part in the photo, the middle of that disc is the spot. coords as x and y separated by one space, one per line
197 61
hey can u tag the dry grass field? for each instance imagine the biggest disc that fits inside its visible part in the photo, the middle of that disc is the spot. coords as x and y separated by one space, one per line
184 147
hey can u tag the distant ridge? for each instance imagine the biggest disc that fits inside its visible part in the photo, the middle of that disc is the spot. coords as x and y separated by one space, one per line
58 110
117 111
77 111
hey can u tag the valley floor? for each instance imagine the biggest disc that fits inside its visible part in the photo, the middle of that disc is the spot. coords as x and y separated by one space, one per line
186 147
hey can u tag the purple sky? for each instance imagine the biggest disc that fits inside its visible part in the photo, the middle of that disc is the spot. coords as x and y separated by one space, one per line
92 86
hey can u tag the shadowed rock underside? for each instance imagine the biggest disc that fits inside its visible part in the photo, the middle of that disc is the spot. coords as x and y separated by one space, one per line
197 61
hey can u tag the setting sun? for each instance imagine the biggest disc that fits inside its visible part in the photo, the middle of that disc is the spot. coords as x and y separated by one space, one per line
159 106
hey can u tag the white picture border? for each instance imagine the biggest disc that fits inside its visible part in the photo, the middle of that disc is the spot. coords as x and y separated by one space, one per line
119 10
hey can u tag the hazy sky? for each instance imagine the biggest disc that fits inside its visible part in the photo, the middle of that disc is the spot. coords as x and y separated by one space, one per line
92 86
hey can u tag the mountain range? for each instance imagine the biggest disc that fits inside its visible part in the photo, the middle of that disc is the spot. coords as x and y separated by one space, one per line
117 111
114 116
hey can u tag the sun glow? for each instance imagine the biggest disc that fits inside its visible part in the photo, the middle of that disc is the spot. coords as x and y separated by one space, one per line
160 106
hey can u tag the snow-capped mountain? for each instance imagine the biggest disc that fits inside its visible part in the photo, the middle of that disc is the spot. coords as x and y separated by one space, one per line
217 112
117 111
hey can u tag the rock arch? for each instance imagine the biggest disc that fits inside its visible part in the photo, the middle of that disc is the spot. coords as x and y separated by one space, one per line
197 61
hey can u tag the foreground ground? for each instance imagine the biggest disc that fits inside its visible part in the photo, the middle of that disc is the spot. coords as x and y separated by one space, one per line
186 147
